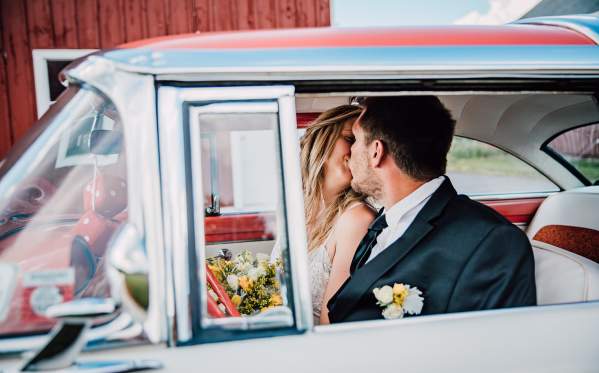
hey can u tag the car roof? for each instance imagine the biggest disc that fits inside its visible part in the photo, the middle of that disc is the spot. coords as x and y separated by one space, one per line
552 43
327 37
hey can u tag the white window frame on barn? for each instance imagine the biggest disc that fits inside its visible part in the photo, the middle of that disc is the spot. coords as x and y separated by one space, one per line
41 57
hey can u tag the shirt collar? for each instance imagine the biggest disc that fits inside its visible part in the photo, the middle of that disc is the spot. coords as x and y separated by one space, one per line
398 210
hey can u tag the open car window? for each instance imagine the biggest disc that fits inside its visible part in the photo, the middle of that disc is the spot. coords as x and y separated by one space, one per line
67 196
579 148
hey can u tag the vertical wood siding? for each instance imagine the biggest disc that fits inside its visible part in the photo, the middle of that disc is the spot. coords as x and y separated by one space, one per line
92 24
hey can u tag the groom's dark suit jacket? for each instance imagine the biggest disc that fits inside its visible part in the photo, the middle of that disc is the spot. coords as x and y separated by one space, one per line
462 255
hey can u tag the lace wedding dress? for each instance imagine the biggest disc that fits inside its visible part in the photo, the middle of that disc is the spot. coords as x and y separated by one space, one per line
319 265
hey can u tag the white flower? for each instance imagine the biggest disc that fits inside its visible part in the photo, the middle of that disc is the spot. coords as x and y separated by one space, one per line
393 311
256 272
414 301
384 295
213 294
233 282
222 307
244 257
243 268
253 274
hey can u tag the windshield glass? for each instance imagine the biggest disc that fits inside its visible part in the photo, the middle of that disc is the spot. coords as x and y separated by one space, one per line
62 196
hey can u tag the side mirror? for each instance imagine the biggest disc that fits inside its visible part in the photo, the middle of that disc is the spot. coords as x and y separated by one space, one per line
127 272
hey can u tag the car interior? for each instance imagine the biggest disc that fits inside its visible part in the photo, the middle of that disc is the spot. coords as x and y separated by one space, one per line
544 195
554 206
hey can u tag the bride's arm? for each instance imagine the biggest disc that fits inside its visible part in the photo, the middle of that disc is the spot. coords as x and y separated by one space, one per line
348 232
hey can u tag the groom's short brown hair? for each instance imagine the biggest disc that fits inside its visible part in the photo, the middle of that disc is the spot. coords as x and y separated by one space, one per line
415 130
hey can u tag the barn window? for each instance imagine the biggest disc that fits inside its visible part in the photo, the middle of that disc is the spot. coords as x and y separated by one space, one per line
47 64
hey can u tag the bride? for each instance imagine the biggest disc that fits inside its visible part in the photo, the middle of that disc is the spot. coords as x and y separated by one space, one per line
337 217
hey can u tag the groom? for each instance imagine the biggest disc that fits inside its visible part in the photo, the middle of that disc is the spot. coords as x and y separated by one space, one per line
462 255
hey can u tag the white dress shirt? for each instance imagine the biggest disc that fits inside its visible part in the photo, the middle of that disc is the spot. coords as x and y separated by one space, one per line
402 214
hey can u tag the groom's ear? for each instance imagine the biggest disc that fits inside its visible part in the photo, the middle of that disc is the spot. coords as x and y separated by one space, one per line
377 152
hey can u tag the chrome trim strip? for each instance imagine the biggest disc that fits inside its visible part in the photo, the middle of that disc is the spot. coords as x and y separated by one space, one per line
232 108
170 129
296 224
585 24
438 93
198 203
549 59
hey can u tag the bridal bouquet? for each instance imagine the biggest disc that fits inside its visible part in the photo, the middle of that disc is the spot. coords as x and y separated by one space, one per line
251 282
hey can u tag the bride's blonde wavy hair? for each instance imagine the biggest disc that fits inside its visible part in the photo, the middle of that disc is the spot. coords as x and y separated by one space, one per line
316 147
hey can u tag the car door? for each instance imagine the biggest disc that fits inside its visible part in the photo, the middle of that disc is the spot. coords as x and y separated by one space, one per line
253 184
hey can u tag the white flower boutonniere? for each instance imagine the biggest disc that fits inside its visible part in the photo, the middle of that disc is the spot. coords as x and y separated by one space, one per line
399 300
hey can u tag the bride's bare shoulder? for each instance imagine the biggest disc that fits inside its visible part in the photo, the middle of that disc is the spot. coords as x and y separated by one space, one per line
359 215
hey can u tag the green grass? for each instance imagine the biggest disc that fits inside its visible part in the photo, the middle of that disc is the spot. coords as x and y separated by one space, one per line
476 157
588 167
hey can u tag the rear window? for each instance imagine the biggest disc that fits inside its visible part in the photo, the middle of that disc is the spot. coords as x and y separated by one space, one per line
477 168
580 149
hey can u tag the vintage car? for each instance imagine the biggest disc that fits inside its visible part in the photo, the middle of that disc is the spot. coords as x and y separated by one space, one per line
167 158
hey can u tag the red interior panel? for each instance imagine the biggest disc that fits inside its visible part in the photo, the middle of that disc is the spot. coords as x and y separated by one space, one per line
518 211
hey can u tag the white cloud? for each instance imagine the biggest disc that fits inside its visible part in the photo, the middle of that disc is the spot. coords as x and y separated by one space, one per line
500 12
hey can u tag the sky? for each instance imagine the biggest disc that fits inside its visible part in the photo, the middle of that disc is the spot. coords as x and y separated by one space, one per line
359 13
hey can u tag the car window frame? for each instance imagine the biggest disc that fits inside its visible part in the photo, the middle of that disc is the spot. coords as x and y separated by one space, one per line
176 106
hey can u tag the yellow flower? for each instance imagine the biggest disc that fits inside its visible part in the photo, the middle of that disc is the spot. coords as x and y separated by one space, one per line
276 300
400 293
245 283
236 300
214 269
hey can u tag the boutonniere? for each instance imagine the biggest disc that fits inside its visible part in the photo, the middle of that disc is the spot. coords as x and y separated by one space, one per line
399 300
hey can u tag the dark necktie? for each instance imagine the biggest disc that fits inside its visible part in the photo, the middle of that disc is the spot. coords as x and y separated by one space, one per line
368 242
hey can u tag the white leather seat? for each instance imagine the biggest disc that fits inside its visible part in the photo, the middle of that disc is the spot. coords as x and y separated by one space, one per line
565 239
562 276
569 220
576 207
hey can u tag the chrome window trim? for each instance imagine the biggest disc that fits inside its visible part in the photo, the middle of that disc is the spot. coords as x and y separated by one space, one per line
194 112
175 99
231 108
298 242
219 76
172 165
143 184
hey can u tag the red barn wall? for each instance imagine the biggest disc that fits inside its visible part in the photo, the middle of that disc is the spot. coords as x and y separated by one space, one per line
93 24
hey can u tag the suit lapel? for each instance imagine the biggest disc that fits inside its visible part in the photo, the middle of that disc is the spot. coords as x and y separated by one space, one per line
356 286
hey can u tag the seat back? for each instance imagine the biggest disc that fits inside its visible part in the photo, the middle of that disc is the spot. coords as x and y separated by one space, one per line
564 277
569 220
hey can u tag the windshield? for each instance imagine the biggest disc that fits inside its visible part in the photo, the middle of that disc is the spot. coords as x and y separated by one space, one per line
62 196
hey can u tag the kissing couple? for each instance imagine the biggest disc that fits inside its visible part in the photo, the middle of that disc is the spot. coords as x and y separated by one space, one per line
427 246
